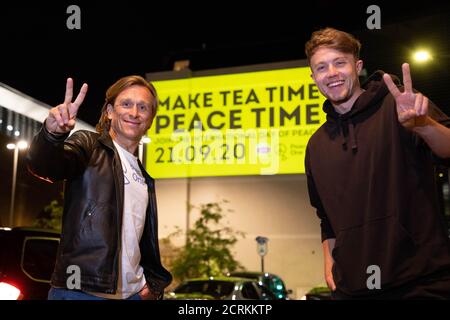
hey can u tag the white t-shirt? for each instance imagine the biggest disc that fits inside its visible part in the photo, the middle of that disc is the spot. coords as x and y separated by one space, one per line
131 274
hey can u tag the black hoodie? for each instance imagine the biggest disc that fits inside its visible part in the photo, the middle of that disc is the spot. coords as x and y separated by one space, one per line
372 183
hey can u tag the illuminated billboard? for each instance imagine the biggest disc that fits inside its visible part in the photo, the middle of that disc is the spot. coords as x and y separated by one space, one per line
251 123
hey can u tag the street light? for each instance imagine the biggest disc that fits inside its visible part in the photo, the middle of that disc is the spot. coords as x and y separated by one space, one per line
12 146
422 56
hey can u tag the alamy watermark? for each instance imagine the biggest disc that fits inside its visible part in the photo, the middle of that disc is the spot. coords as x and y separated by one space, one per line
232 146
374 280
73 281
74 20
374 20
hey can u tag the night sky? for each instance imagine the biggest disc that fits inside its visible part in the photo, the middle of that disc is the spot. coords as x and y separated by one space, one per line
38 52
134 37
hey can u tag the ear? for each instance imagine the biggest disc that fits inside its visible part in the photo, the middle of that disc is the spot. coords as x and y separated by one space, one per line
109 110
359 66
312 76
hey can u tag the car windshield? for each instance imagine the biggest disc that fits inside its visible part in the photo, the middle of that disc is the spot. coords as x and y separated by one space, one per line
217 289
273 282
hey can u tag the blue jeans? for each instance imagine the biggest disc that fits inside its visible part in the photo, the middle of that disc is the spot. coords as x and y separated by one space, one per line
66 294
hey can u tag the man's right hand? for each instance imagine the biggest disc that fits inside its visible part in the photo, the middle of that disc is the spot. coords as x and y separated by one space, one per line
328 246
148 294
329 277
61 119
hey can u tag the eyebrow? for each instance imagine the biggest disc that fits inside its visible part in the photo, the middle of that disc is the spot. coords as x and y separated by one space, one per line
130 99
334 60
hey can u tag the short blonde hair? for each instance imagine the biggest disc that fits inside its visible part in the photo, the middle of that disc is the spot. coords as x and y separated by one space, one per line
332 38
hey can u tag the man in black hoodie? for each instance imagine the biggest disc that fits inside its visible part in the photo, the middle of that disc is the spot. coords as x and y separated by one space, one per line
370 170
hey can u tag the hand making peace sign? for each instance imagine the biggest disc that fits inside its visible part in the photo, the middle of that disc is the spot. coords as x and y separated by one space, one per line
61 119
412 108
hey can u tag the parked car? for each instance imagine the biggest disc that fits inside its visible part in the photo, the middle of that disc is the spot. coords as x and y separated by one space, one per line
220 288
270 280
318 293
27 259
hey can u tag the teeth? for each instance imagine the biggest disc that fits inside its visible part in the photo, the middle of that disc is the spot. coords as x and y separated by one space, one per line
334 84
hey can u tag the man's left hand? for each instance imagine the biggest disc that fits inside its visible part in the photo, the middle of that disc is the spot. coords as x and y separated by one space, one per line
412 108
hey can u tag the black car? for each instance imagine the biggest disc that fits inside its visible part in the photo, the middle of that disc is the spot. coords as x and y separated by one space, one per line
27 260
273 282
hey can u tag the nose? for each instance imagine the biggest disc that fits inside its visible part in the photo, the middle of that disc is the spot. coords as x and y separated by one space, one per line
134 111
332 71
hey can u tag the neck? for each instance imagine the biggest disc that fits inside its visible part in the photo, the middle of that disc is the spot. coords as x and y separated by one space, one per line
346 106
129 145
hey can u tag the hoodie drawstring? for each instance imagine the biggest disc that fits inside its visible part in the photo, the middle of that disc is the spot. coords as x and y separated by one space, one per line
351 133
341 129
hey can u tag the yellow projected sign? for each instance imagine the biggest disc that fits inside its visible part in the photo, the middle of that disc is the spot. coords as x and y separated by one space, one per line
238 124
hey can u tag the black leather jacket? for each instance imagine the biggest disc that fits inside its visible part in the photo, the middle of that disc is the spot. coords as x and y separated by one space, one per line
93 206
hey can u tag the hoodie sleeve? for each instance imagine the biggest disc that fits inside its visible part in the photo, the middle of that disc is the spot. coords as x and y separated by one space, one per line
443 119
439 116
325 226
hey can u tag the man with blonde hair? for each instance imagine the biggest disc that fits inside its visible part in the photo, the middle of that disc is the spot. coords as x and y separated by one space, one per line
109 227
371 171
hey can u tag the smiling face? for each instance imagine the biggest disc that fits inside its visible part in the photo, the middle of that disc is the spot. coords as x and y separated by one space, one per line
336 74
131 116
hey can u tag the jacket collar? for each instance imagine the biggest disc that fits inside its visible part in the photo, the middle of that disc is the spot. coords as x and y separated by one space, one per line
106 140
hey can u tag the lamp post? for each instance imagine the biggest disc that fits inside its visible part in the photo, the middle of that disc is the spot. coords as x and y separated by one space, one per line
12 146
261 247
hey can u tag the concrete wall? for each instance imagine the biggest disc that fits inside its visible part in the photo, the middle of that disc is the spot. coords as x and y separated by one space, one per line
276 207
